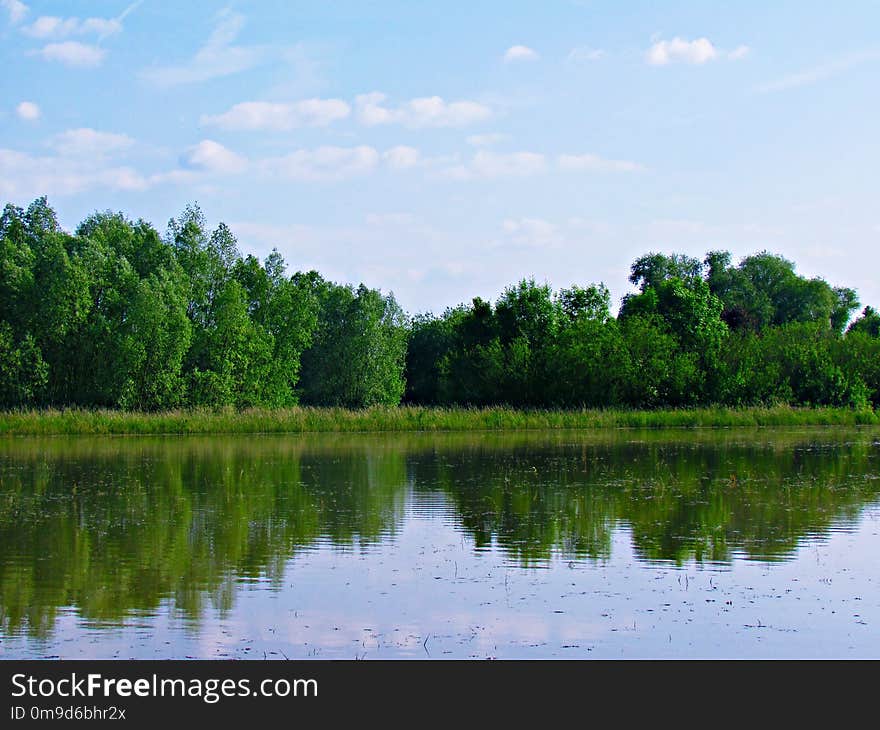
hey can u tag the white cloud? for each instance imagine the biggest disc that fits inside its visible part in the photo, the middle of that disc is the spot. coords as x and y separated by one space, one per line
216 58
486 140
596 164
181 176
213 157
83 161
431 111
89 143
279 116
520 53
26 176
51 26
73 53
540 236
47 26
402 157
322 163
371 111
515 164
28 111
583 54
698 51
15 9
531 232
100 26
739 53
491 165
86 159
819 73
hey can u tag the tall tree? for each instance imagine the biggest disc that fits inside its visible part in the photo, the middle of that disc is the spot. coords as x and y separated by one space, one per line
359 350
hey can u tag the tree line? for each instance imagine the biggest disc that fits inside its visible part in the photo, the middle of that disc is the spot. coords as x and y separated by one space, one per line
117 315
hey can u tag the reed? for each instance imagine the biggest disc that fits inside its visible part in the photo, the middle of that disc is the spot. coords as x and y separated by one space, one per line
409 418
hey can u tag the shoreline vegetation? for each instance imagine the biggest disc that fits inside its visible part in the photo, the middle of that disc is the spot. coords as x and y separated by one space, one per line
409 419
116 317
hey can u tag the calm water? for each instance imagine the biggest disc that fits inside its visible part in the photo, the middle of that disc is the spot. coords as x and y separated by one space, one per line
620 544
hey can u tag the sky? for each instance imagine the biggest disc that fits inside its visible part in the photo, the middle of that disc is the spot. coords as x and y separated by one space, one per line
446 150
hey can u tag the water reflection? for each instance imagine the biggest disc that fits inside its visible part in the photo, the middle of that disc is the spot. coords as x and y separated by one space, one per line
117 526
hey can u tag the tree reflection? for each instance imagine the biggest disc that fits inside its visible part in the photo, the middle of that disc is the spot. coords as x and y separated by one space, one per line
113 527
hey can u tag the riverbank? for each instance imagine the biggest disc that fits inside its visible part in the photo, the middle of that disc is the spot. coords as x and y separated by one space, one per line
409 418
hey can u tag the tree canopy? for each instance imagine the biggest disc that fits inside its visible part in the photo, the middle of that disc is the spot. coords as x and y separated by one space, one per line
117 315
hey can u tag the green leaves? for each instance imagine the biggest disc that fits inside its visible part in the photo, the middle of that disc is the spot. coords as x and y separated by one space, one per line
695 333
117 316
764 290
157 334
23 373
358 353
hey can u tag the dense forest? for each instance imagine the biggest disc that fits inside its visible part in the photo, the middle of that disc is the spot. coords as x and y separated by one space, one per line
118 315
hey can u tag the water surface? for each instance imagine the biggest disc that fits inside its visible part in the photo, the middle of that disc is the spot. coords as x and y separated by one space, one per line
727 543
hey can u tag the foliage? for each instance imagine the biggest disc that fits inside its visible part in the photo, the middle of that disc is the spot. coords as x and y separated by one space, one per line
764 290
359 350
117 316
868 323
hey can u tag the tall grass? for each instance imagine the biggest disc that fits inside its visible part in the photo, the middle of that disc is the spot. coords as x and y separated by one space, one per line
409 418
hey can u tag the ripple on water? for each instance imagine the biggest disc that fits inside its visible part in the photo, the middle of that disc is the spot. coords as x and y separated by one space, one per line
498 545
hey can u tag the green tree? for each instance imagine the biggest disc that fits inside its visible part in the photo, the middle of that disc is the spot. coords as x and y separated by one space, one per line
431 340
528 319
652 269
592 302
658 373
116 315
804 352
231 358
288 310
858 355
868 323
157 335
358 353
589 364
765 290
473 370
687 309
23 373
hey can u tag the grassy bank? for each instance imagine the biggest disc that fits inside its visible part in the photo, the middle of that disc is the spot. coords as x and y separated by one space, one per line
302 420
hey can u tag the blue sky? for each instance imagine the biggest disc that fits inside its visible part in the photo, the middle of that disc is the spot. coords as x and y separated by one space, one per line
443 150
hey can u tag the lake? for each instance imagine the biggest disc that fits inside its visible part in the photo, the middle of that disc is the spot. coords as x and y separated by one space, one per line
612 544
